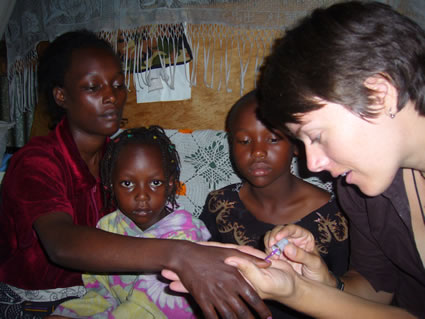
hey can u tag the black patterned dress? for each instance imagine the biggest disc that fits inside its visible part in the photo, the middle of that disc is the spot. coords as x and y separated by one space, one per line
229 221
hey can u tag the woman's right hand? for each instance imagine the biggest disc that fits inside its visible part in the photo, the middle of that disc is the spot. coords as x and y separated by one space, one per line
300 253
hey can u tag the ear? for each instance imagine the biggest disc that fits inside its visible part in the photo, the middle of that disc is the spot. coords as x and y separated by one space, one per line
59 96
295 150
384 93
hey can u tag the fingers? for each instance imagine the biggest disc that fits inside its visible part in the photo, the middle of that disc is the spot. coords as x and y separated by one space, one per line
248 250
218 288
169 274
248 270
273 236
249 293
176 284
276 282
233 305
252 251
253 298
297 235
217 244
299 255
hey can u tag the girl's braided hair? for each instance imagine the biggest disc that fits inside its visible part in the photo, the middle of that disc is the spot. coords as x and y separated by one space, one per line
152 135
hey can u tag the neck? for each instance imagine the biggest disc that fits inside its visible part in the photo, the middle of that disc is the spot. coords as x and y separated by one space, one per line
273 193
90 147
412 138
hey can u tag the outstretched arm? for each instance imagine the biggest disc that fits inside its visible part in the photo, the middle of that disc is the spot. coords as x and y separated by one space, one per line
216 286
281 283
300 279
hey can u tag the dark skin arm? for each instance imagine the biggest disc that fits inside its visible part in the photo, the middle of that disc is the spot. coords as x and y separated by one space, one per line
216 287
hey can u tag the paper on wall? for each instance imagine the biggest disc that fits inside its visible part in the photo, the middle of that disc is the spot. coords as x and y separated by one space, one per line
159 90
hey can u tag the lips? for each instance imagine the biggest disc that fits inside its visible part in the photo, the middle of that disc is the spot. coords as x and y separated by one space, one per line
142 212
259 169
111 115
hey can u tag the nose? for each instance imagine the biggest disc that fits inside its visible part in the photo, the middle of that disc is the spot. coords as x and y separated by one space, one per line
317 160
110 95
258 150
142 194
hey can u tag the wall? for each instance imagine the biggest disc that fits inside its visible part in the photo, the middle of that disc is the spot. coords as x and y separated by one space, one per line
206 109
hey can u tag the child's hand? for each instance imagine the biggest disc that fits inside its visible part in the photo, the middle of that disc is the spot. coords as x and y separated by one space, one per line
300 253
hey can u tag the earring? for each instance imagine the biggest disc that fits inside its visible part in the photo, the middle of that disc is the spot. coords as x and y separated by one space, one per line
392 115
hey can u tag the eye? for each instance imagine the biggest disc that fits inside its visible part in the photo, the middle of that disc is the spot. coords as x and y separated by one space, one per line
274 139
243 141
315 139
119 85
92 88
156 183
126 184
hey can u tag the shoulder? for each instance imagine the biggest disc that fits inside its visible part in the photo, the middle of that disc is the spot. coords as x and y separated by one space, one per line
106 222
312 195
37 163
181 212
38 152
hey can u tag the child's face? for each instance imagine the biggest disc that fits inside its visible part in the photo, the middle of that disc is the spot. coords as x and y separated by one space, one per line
260 155
94 92
139 184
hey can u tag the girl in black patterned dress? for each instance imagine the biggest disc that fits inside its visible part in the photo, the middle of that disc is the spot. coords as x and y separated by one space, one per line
271 195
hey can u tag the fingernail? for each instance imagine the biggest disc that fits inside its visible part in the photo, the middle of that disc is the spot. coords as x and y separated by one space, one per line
232 263
291 250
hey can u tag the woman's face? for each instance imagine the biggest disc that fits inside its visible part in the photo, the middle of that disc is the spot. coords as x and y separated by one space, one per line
342 143
94 92
261 156
139 184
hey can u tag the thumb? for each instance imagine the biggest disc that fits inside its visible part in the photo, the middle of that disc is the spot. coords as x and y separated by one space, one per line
177 286
299 255
247 268
169 274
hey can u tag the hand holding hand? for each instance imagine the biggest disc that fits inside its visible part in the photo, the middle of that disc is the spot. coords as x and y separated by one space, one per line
216 286
277 282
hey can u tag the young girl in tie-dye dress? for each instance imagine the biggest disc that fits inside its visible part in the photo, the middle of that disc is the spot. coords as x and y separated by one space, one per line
140 174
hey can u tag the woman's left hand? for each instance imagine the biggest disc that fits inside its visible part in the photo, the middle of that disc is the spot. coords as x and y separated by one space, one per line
277 282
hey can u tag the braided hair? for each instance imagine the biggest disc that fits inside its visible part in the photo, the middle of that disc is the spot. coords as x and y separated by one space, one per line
151 135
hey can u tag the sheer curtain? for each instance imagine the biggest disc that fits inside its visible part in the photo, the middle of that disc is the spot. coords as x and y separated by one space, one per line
137 26
17 134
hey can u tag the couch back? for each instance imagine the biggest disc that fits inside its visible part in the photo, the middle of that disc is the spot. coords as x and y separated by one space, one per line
206 166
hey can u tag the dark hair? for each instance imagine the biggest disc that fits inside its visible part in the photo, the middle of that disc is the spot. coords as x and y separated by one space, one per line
251 96
151 135
55 62
331 53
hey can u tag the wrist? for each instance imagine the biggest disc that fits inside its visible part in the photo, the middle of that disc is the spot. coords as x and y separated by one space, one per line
338 283
179 249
